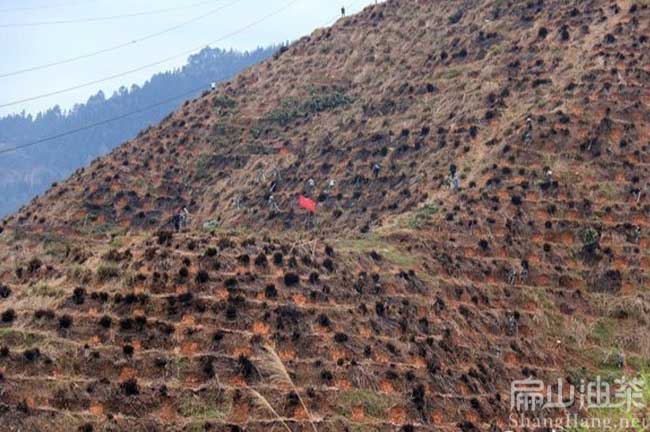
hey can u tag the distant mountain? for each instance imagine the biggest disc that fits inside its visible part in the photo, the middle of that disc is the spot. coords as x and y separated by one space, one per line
29 172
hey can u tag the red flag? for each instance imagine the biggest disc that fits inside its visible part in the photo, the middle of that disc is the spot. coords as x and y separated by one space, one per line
307 204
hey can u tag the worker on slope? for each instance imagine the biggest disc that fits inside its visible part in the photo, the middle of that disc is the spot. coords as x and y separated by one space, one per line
176 220
180 219
375 169
454 180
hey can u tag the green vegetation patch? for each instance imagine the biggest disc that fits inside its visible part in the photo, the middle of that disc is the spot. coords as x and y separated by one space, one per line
212 405
374 404
292 109
43 289
376 244
224 102
422 216
107 272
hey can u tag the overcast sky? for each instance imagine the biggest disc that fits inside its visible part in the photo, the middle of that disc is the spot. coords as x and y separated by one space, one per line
24 47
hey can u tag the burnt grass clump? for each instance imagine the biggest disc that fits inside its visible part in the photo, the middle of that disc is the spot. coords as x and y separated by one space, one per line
87 427
106 322
246 367
65 322
79 296
8 316
31 354
202 277
340 338
329 265
270 291
47 314
291 279
261 261
244 259
130 387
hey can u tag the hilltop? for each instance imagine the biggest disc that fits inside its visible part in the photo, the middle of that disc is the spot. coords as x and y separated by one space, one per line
402 304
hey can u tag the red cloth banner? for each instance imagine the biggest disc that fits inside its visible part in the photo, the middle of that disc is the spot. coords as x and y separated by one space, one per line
307 204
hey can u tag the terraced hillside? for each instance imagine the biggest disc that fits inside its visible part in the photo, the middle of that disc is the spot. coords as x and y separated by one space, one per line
402 304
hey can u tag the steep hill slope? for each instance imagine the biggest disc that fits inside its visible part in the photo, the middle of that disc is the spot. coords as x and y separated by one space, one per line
403 304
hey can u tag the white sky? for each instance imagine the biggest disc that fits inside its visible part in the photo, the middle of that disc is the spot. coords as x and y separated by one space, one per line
25 47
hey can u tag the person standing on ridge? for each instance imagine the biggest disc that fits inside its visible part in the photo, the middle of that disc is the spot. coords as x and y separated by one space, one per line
343 11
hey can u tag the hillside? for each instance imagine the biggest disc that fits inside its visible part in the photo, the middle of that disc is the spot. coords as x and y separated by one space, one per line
26 174
402 305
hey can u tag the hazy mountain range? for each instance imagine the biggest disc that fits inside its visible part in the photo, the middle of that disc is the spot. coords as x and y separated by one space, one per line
29 172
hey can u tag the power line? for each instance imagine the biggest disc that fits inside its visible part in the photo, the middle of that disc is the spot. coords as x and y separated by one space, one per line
101 123
51 6
147 66
119 46
120 117
105 18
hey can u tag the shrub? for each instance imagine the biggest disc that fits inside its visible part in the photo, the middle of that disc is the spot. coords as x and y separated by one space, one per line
218 336
126 324
202 277
278 258
128 350
65 322
207 367
164 237
130 387
270 291
31 354
5 291
326 376
261 260
246 367
244 259
183 273
79 296
186 297
106 321
291 279
87 427
231 312
8 316
340 338
211 252
323 320
140 322
329 265
34 265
